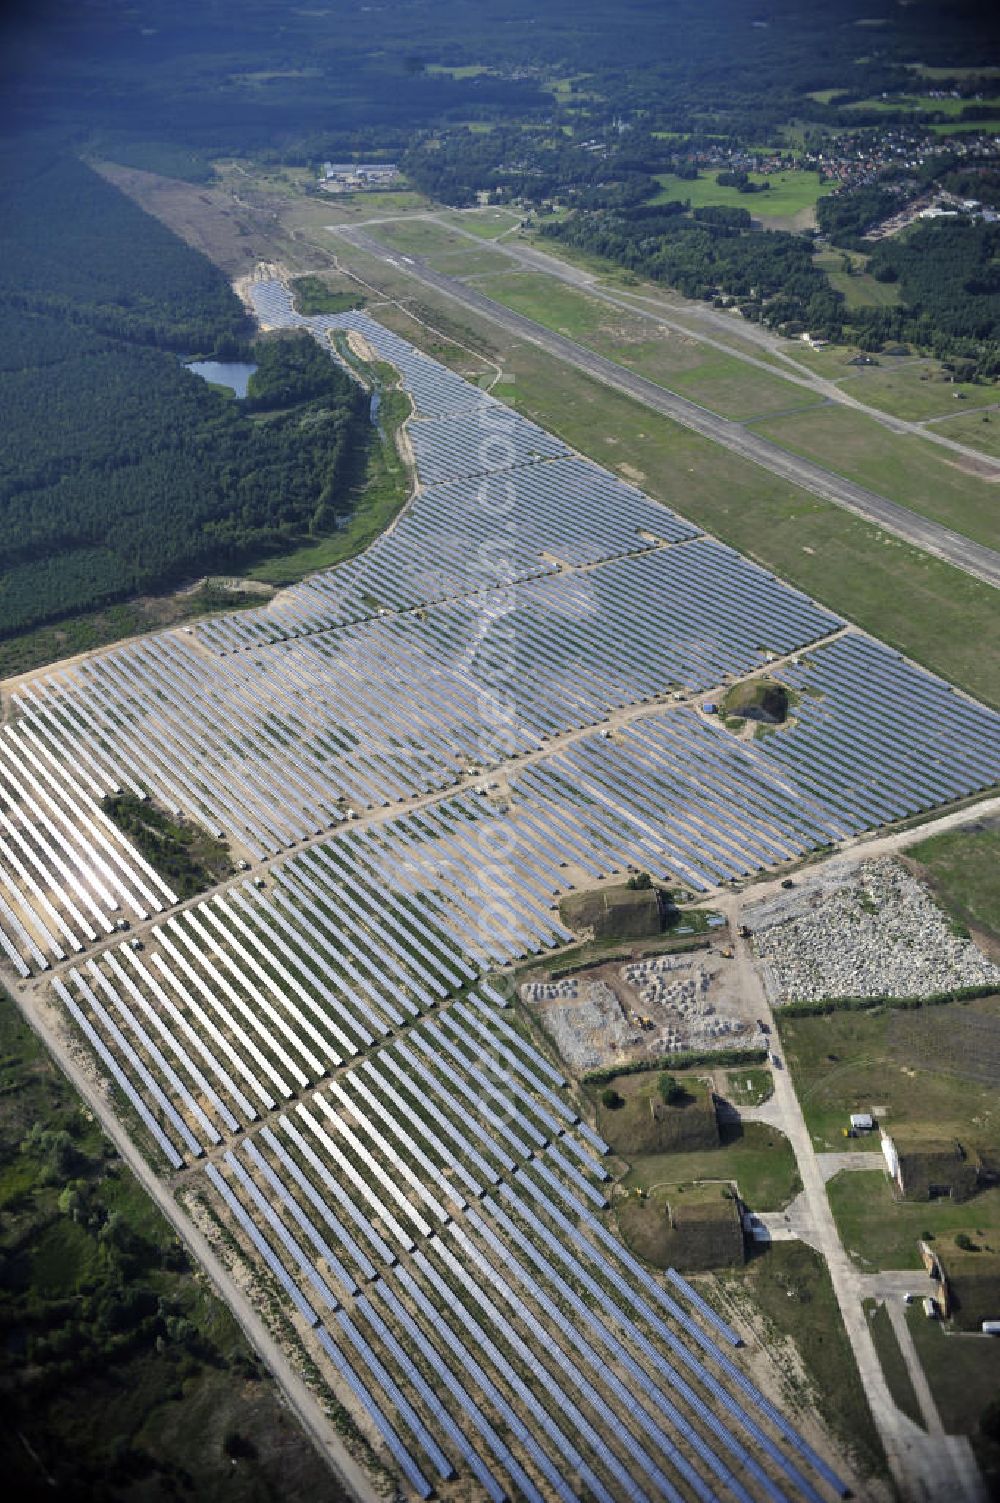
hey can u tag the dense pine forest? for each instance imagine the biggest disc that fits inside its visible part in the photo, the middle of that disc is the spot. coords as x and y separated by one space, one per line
168 81
121 471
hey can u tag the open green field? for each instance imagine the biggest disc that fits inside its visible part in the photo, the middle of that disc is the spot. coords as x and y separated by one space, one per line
488 223
789 193
963 1374
916 390
963 868
326 292
880 1232
731 330
924 104
893 1363
445 249
967 127
896 1061
858 289
895 465
789 1289
467 70
979 429
681 363
924 70
468 260
370 203
758 1158
923 607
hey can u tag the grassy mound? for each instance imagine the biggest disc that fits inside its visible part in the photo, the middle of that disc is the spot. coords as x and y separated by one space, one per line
617 912
644 1123
691 1227
758 699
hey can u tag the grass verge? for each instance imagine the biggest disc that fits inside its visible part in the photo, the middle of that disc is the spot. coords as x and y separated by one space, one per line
893 1363
789 1289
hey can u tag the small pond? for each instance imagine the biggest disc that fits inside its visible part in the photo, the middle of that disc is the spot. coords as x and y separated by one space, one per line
232 373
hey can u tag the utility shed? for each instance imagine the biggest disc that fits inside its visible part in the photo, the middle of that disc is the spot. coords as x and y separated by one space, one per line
862 1121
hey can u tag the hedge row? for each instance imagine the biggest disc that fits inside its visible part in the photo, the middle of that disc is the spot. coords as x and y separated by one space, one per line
868 1004
682 1061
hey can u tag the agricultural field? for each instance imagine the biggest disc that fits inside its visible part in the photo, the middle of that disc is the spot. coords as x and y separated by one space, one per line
788 195
901 467
967 127
925 104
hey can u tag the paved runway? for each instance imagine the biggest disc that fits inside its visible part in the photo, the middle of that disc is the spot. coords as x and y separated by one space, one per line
973 558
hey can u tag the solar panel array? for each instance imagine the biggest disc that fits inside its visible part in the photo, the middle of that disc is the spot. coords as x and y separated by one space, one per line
876 741
316 1048
68 876
429 1211
273 746
481 486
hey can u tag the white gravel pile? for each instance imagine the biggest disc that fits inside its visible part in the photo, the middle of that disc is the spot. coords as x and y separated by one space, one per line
675 988
591 1027
547 991
878 935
